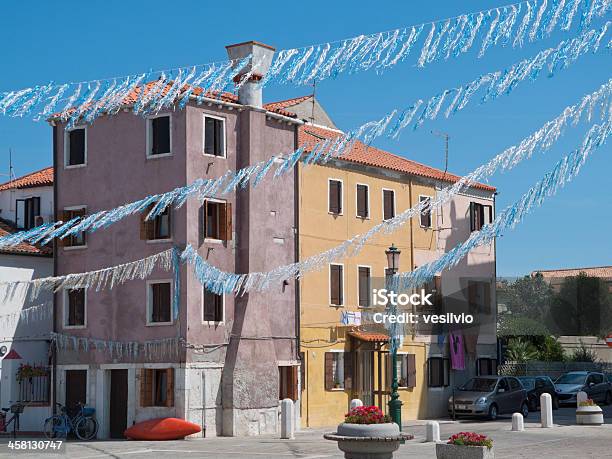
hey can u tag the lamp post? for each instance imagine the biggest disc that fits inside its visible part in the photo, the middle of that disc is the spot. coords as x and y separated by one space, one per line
395 404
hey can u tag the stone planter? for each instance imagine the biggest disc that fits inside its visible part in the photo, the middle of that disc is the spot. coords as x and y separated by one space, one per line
589 415
368 441
449 451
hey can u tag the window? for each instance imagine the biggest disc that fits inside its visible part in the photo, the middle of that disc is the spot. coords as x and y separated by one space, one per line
27 211
288 382
388 204
159 302
514 384
335 197
479 297
212 308
336 285
74 240
338 370
406 370
158 228
75 147
480 214
214 136
157 387
438 370
486 367
74 307
426 212
363 207
216 220
159 136
364 273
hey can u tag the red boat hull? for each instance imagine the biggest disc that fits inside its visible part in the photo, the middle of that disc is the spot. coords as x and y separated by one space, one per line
162 429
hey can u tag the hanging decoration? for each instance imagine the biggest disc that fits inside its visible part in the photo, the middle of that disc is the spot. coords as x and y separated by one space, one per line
27 315
156 90
563 172
449 101
222 282
150 350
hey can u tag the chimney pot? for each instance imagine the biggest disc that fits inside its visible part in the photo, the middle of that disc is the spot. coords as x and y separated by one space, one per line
250 93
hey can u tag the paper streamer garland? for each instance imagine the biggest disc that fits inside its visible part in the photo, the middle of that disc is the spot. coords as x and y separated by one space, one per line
509 25
449 101
28 314
563 172
222 282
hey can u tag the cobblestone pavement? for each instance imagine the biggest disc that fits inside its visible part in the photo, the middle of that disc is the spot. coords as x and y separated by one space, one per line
564 441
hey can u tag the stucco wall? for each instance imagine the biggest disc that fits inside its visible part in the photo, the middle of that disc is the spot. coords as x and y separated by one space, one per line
8 197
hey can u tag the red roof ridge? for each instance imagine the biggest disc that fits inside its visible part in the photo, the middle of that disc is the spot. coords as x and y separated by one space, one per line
286 103
23 248
28 180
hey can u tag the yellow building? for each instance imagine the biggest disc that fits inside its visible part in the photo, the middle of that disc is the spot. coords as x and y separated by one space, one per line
338 200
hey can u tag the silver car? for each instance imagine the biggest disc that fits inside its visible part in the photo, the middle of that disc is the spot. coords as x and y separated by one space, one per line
489 396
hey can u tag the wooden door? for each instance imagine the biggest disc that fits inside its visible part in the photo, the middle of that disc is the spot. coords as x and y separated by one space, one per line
76 389
118 402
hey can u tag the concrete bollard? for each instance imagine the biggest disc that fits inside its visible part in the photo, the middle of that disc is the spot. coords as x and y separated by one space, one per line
287 419
355 403
546 410
518 424
432 431
581 397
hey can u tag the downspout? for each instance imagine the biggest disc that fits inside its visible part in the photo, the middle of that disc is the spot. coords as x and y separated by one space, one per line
411 244
498 344
296 256
55 253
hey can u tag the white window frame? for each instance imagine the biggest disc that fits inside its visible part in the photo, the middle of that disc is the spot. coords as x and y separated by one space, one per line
329 285
357 202
218 201
149 133
65 306
207 115
329 179
338 351
76 247
213 322
431 213
370 268
67 148
382 193
149 298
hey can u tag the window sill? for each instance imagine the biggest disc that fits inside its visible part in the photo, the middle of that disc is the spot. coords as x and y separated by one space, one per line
362 218
75 247
336 305
74 166
75 327
159 324
213 322
334 214
160 155
158 241
337 389
208 155
213 241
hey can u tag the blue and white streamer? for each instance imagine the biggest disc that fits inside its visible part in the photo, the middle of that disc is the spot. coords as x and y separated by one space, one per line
449 102
563 172
85 101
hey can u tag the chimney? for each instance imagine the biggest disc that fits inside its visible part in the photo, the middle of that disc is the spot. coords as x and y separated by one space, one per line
250 92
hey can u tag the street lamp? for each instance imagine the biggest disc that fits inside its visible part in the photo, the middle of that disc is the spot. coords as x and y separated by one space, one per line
395 404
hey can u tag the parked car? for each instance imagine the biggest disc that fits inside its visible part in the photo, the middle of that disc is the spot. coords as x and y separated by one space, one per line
536 386
489 396
596 386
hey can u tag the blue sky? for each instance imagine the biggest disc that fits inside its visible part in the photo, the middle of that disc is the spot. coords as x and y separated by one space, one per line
75 41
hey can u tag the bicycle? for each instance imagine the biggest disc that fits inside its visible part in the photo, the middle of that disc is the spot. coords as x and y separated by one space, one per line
83 425
16 409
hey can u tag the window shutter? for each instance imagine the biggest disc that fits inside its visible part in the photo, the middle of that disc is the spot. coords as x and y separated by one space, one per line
364 286
292 383
334 196
411 369
227 222
472 216
170 387
334 285
329 370
388 198
146 386
362 201
348 370
144 225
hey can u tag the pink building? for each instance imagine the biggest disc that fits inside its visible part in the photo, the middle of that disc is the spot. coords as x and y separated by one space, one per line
238 354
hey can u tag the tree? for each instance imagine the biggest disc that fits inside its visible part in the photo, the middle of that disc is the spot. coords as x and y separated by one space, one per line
521 351
583 307
551 350
528 296
584 354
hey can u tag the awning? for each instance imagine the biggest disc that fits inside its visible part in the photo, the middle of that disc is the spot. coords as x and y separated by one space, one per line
369 336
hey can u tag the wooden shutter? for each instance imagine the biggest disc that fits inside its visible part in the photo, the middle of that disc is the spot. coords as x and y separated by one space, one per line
146 226
292 383
335 284
334 196
362 201
329 370
388 204
146 386
472 216
348 370
411 370
364 286
226 222
170 387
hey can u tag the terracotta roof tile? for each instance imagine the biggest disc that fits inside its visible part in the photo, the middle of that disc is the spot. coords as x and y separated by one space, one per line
369 336
43 177
273 106
371 156
597 271
23 248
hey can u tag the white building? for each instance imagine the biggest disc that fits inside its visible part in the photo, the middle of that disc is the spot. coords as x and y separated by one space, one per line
25 325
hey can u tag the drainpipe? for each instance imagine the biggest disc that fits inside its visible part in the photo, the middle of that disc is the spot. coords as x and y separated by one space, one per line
55 252
411 244
498 347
